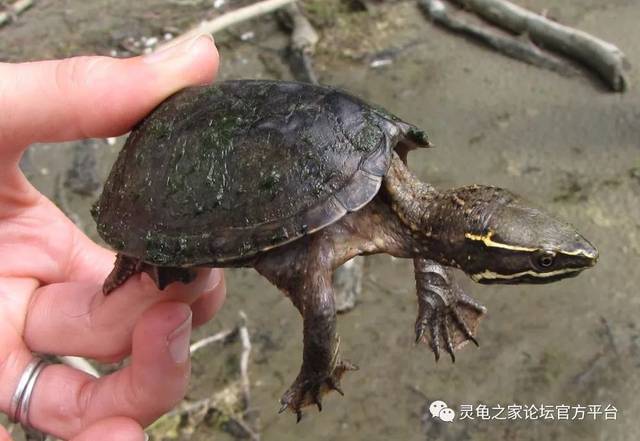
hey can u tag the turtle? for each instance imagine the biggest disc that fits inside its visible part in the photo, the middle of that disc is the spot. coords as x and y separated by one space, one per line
294 180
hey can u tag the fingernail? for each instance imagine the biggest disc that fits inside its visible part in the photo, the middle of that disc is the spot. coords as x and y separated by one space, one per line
146 437
215 277
177 48
179 341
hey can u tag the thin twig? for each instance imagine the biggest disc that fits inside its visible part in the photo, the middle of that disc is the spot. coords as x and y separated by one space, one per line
609 348
80 364
609 334
592 365
188 407
193 407
220 336
14 10
248 430
603 57
244 359
231 18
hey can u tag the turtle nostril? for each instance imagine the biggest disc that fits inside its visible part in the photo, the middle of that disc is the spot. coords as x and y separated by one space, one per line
590 252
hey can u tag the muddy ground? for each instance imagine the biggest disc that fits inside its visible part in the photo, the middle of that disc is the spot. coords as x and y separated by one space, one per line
564 143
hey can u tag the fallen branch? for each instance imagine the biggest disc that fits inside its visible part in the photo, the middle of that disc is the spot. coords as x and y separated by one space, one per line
603 57
510 46
231 18
14 10
304 39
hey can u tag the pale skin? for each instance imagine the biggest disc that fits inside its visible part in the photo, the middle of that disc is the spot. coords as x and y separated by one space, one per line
51 274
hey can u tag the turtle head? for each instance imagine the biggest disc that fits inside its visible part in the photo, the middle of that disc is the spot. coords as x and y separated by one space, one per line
506 241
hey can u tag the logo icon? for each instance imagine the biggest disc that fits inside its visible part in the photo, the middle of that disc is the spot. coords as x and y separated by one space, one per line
440 411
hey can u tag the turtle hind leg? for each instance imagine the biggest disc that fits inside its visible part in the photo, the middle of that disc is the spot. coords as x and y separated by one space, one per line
446 314
162 276
302 270
322 368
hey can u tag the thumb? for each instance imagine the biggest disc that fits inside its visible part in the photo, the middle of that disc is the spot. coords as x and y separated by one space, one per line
84 97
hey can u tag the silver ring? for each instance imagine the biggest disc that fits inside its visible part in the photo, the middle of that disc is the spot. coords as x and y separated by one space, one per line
21 400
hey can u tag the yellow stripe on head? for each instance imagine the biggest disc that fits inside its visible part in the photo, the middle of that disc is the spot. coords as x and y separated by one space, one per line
490 275
489 242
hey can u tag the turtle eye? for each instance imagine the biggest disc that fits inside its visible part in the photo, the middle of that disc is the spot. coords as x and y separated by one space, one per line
545 260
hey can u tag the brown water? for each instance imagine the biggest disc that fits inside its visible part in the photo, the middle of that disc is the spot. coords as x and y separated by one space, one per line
564 143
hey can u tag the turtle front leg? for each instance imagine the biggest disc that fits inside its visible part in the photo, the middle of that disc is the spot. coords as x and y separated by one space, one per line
446 314
309 288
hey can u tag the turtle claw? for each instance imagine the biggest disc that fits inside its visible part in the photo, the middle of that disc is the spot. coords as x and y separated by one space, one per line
450 351
335 384
447 337
307 392
447 316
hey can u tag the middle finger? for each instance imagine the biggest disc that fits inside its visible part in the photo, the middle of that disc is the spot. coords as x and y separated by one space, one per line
77 319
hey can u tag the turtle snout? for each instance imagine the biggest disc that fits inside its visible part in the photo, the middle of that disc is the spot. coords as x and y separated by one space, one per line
592 254
587 251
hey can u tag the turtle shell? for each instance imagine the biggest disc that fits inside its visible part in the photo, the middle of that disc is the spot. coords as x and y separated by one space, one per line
219 173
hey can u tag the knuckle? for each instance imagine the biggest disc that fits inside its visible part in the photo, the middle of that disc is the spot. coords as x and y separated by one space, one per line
68 74
143 395
77 411
77 72
74 79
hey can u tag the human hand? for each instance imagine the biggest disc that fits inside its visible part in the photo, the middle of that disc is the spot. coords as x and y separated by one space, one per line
51 273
